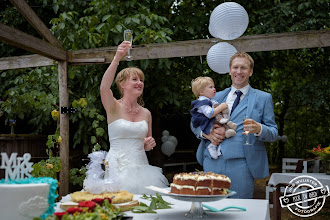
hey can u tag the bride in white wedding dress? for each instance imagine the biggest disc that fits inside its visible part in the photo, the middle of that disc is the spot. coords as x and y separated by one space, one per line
129 127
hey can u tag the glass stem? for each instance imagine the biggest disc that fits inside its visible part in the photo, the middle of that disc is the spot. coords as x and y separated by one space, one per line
246 138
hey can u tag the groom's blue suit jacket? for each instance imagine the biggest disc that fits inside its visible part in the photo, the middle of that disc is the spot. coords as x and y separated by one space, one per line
257 105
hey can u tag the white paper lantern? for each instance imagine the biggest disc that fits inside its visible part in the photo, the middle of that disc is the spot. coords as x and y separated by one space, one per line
218 57
228 21
168 148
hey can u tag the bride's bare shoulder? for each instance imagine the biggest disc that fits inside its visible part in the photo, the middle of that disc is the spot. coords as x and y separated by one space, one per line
146 111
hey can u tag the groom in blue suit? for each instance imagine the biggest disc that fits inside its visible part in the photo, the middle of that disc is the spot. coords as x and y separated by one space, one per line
241 163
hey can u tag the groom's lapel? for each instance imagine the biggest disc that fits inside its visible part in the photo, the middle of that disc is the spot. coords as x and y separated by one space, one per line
246 105
252 98
223 95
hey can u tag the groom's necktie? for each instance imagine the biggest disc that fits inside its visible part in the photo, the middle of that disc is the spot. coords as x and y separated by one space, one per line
238 93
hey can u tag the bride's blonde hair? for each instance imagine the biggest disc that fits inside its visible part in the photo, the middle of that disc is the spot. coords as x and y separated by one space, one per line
124 75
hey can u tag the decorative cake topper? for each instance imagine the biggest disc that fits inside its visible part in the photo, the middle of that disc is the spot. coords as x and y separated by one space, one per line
16 167
97 180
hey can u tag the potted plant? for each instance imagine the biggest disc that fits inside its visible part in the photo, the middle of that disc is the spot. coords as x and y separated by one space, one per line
324 154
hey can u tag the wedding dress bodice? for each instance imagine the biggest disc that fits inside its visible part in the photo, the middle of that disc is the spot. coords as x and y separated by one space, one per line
127 159
127 141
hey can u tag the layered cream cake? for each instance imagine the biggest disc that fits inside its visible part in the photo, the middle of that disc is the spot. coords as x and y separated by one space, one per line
199 183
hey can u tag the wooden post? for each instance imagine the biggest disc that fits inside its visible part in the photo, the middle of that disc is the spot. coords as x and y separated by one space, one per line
64 127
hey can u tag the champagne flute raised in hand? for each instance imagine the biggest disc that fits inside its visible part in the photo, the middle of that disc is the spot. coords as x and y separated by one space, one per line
128 36
246 129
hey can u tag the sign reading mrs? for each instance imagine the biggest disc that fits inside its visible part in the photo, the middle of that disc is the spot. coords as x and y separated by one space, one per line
16 167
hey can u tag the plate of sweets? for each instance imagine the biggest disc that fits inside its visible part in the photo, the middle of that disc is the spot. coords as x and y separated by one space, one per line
122 199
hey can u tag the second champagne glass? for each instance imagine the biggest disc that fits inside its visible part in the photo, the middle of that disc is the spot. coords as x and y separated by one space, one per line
128 36
246 122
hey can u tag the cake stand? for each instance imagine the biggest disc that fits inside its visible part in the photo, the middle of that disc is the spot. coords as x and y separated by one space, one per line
196 210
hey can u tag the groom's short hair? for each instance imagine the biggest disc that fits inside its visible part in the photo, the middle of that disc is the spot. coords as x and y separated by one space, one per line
242 55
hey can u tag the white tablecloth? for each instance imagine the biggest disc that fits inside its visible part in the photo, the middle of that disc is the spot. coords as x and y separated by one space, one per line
277 178
256 209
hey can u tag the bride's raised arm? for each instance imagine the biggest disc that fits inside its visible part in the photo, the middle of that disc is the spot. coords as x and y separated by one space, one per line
108 101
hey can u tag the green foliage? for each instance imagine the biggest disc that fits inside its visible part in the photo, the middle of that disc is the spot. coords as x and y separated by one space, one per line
301 97
47 168
89 120
102 23
77 176
157 202
52 166
30 95
288 16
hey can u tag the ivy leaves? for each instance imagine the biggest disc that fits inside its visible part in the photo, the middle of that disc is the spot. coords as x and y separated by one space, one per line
157 202
102 24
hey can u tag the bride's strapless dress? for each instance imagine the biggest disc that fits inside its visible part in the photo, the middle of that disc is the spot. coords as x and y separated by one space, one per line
129 158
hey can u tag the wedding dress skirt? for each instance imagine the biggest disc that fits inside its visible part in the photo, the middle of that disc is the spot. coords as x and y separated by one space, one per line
127 158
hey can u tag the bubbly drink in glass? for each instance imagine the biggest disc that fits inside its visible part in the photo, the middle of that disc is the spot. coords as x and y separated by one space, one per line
246 130
128 36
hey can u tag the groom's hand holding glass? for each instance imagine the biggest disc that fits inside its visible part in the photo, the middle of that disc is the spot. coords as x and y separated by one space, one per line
251 126
218 135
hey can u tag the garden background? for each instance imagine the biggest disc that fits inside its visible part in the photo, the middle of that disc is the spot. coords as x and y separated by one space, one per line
297 79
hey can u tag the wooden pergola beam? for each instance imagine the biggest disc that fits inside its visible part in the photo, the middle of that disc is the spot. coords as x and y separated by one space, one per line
27 61
29 43
35 21
284 41
250 43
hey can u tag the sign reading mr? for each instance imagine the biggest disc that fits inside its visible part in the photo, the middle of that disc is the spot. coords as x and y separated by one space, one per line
16 167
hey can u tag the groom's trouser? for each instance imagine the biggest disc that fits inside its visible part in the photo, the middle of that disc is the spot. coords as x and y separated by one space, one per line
242 181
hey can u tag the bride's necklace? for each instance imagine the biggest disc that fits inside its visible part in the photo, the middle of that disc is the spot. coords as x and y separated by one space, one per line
129 110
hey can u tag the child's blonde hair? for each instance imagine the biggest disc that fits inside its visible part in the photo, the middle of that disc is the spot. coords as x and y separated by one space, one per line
200 83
